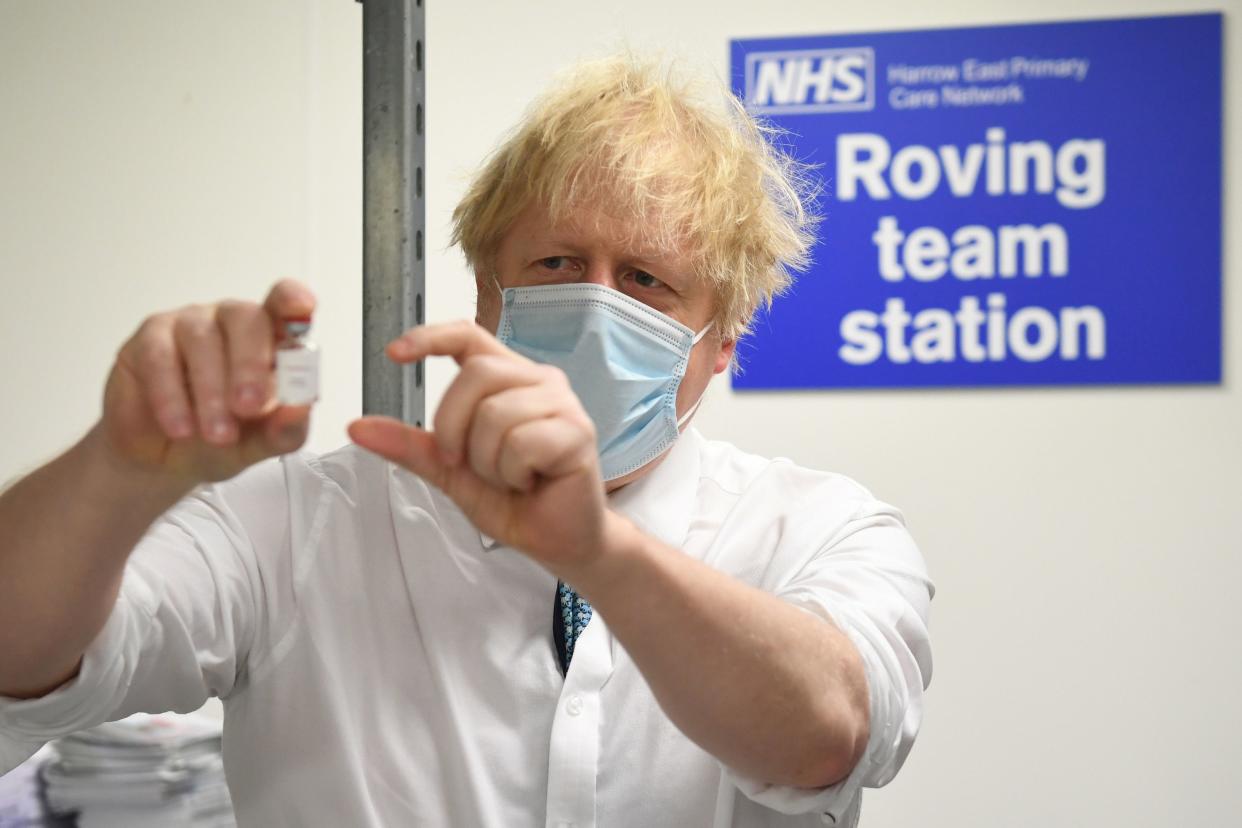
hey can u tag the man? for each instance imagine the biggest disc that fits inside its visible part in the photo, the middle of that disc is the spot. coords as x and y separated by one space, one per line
555 607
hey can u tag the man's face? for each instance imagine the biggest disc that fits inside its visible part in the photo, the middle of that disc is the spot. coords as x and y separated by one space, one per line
592 247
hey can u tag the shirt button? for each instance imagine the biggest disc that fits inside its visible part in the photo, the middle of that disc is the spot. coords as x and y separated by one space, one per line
827 818
573 707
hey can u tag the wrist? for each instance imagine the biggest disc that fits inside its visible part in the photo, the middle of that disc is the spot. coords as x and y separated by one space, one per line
622 551
109 476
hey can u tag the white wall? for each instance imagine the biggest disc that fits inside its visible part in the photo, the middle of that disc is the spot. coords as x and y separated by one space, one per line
155 154
1086 542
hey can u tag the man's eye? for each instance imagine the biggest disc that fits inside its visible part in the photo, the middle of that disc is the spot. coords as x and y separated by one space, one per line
644 279
553 262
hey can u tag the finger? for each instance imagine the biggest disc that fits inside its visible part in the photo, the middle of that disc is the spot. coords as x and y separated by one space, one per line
281 432
407 446
201 346
480 377
284 430
498 413
152 355
460 340
248 337
551 447
289 297
415 449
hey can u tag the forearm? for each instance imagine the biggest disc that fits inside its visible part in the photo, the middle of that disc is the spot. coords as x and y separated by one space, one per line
770 690
65 533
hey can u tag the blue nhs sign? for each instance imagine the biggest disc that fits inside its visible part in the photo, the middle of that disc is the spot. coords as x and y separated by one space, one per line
1007 205
814 80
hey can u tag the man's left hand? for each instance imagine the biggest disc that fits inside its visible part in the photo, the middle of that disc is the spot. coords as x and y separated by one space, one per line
512 446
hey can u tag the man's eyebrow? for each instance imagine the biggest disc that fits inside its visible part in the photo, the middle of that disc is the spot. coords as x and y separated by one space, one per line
673 273
647 260
561 242
670 276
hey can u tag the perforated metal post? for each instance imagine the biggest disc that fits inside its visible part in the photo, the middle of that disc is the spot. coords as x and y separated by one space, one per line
393 211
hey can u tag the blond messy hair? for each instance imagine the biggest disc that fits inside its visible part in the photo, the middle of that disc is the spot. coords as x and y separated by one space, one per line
684 175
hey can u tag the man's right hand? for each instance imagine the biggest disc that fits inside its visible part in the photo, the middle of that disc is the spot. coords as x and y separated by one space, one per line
191 399
191 396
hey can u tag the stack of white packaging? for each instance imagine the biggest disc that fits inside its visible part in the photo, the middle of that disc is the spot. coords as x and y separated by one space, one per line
148 770
21 806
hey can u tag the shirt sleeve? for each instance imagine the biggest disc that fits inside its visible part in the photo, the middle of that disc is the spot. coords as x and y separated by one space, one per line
197 591
869 580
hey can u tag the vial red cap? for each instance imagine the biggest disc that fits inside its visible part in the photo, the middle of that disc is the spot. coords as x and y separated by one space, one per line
303 318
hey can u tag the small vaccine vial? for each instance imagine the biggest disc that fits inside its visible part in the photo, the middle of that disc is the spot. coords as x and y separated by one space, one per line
297 363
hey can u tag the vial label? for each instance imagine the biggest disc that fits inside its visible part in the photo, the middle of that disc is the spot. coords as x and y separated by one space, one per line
297 376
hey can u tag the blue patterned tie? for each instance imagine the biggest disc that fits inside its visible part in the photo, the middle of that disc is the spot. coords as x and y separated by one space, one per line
570 614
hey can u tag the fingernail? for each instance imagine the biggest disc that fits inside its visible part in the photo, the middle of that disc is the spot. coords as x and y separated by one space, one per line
249 395
180 427
220 429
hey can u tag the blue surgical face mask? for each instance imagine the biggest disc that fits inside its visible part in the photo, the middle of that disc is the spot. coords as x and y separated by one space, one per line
624 360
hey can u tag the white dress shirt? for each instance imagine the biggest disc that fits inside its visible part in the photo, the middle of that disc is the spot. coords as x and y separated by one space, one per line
381 663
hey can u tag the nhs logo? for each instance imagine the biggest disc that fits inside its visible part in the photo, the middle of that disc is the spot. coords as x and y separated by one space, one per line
810 80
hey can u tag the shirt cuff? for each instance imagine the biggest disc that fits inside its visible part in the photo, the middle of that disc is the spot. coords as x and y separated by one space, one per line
836 804
88 698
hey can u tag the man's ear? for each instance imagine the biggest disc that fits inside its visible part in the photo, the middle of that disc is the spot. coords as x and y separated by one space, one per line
725 355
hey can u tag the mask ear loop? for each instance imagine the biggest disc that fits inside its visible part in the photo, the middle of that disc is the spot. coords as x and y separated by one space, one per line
684 418
500 293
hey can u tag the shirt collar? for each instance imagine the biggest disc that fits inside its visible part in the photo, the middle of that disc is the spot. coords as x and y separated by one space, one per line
662 500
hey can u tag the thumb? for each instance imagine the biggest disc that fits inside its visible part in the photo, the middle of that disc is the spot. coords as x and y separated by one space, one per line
284 430
409 447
